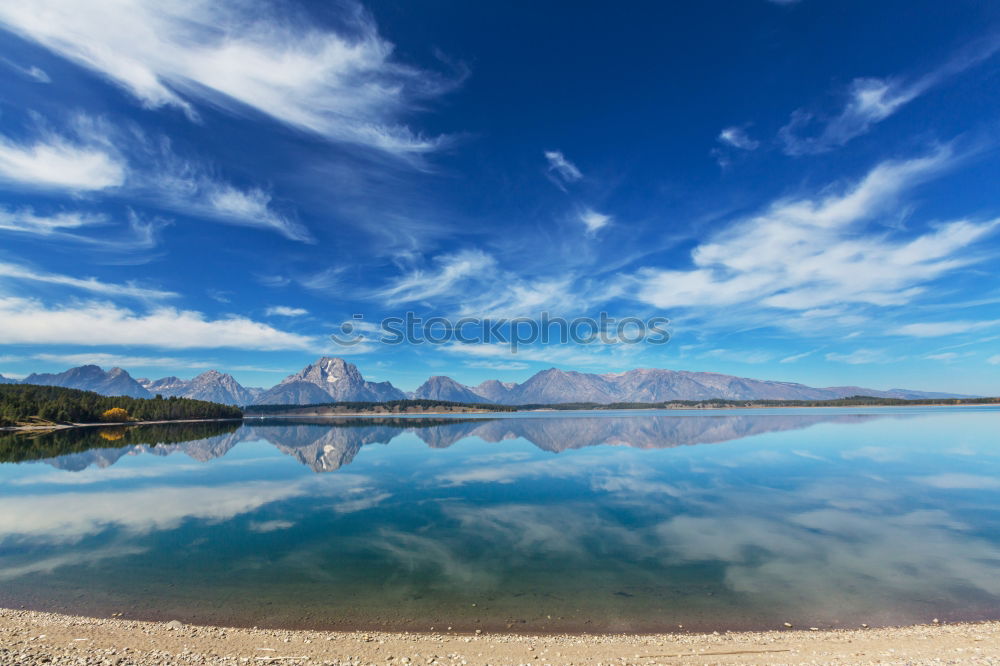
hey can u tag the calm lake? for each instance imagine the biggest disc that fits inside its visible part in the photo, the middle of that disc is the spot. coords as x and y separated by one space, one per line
584 521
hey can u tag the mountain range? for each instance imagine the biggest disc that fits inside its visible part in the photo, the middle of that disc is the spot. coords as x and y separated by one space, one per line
335 380
212 386
644 385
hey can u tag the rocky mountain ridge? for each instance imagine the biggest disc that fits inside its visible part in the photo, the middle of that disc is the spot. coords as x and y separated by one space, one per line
331 379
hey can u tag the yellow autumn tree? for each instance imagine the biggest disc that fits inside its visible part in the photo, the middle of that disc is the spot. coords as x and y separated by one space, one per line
115 415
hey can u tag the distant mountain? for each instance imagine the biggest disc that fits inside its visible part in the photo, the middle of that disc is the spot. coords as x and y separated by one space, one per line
7 380
213 386
328 380
495 391
446 388
166 386
655 385
336 380
92 378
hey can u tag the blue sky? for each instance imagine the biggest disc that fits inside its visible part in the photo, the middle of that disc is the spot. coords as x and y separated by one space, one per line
808 190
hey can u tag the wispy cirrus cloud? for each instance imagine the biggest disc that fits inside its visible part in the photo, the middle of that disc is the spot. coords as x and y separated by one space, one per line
124 164
862 357
11 271
106 359
942 328
561 167
194 193
57 162
448 272
342 83
869 101
797 357
737 137
593 220
597 354
809 253
497 365
473 283
101 324
27 221
68 226
32 72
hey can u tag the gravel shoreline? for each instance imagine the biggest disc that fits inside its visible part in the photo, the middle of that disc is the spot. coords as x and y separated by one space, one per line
29 637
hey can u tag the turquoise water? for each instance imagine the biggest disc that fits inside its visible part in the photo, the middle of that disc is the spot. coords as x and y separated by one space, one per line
592 521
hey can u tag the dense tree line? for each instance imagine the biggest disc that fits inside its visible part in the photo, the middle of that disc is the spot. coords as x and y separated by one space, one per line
23 446
27 403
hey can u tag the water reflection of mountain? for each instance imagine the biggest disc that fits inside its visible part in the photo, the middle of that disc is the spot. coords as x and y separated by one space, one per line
644 432
329 444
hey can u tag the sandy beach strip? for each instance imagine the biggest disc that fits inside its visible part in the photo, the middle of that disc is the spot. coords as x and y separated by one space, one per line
29 637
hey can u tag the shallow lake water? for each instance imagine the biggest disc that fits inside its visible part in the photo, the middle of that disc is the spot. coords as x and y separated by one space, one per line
583 521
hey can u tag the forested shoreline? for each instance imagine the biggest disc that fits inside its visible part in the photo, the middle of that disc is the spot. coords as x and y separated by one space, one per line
29 404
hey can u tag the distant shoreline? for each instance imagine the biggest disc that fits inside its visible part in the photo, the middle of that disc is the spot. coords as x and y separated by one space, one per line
280 415
473 413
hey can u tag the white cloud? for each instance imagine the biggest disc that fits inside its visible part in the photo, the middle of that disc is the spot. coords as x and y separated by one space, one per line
561 166
872 100
959 481
593 220
265 57
944 356
17 272
861 357
471 283
129 361
32 72
126 164
228 203
808 253
600 354
285 311
512 296
740 355
452 270
324 280
204 197
26 221
994 360
797 357
92 323
163 178
941 328
122 361
142 233
270 525
497 365
737 138
54 162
